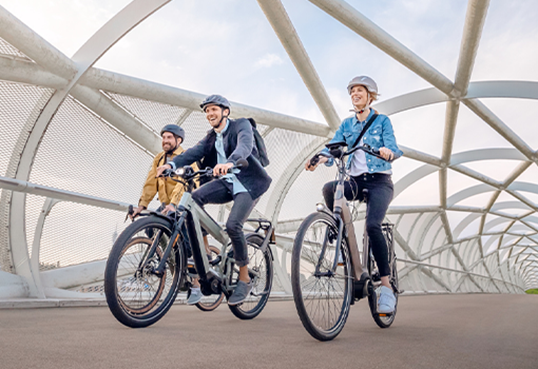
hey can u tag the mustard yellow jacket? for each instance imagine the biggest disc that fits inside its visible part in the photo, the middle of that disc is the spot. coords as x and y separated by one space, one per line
169 191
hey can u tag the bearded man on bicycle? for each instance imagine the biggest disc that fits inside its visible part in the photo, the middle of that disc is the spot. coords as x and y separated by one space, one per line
367 172
169 192
227 143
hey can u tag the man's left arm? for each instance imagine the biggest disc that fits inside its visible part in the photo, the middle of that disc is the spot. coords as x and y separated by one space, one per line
245 142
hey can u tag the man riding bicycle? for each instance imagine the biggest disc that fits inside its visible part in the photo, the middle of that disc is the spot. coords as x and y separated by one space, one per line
228 142
367 172
169 193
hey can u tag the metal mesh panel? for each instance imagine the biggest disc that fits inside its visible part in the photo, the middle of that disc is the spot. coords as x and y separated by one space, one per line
76 233
20 106
306 192
7 49
196 127
81 153
155 115
282 147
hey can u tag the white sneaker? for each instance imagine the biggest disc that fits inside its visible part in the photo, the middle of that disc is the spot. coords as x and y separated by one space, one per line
195 297
387 301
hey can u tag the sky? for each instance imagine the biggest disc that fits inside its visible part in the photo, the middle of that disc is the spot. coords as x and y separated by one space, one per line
228 47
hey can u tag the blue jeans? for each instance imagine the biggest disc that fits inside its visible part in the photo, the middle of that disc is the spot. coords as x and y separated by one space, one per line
220 191
380 192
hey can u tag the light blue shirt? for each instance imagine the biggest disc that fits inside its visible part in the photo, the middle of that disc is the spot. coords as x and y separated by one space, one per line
222 159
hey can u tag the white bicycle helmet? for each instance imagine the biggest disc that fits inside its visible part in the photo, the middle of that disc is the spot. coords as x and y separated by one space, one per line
365 81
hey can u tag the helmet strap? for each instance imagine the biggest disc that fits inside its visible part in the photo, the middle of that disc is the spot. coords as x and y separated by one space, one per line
363 109
223 116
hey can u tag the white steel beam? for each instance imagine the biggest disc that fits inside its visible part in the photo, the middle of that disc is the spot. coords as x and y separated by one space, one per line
364 27
283 27
474 23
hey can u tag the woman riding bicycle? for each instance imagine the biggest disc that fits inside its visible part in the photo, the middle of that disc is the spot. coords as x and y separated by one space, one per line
367 172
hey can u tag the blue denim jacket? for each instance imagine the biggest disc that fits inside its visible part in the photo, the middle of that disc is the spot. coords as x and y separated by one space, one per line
380 134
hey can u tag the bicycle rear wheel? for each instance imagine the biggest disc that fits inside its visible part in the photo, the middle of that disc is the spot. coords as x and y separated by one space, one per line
260 269
139 298
383 320
322 297
210 303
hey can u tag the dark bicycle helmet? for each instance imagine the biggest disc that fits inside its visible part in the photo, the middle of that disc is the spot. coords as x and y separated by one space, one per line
175 130
216 100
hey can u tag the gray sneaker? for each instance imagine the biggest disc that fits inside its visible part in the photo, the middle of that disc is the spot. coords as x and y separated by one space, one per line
242 291
387 301
195 297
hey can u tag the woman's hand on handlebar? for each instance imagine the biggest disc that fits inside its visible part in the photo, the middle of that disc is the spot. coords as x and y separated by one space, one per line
312 164
161 169
386 154
222 169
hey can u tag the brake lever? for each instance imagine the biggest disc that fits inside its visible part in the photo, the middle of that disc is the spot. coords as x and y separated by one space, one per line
314 161
129 212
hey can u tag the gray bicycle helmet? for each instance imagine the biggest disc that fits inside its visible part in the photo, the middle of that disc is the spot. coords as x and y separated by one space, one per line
175 130
365 81
216 100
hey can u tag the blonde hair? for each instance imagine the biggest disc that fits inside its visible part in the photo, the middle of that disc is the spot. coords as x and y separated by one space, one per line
373 97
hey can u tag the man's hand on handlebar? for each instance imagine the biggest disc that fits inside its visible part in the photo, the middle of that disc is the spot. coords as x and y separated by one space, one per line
136 212
222 169
168 208
312 164
162 168
386 154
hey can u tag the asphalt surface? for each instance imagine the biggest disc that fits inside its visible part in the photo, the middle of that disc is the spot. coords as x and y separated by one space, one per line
436 331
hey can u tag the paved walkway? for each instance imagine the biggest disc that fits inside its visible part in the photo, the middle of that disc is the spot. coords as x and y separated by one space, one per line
442 331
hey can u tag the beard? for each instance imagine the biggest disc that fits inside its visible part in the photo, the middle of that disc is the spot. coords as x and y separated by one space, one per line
167 147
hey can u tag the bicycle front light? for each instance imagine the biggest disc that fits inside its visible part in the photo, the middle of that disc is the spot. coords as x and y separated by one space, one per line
320 206
180 171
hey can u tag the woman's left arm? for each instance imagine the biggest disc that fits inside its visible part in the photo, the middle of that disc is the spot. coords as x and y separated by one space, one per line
389 140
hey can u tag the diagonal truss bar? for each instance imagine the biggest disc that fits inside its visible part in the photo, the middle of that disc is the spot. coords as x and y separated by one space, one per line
357 22
283 27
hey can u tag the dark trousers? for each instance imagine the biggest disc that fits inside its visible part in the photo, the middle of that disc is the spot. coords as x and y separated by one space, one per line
220 191
380 192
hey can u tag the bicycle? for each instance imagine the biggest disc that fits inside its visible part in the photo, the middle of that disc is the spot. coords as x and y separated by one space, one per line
326 271
147 266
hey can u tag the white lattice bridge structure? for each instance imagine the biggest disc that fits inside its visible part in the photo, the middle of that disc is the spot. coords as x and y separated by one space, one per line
76 143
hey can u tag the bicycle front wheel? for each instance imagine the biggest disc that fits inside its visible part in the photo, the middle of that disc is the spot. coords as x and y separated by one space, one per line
322 296
137 296
260 268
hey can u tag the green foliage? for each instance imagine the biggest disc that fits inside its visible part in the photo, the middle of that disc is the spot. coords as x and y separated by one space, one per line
533 291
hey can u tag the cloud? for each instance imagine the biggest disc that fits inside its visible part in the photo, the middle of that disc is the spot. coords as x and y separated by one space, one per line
269 60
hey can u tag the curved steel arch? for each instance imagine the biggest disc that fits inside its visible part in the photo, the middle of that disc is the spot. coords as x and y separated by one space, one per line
72 70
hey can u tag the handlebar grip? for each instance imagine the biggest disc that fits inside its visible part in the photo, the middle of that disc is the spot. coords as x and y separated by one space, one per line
314 161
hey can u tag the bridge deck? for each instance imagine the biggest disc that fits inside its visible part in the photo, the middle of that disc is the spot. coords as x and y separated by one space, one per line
442 331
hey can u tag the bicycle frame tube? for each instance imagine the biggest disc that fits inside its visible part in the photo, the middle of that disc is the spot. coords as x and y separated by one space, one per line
196 218
343 215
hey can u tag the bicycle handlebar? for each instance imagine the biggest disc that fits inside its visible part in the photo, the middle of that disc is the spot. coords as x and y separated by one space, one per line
188 173
338 154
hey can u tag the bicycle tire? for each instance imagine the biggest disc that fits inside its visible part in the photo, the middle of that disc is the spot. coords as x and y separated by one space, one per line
211 305
309 293
125 290
261 264
384 320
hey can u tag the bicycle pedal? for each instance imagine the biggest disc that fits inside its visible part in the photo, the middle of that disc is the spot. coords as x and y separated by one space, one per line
215 261
384 315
